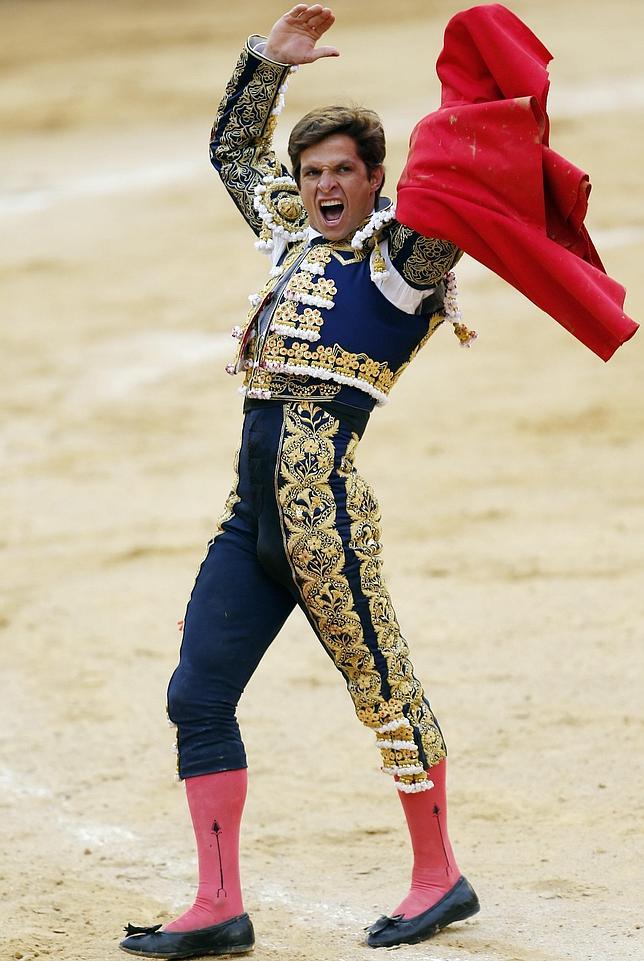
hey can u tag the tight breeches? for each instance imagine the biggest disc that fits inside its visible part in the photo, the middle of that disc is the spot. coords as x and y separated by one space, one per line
300 527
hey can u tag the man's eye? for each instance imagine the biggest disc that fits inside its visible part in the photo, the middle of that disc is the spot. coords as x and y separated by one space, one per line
310 173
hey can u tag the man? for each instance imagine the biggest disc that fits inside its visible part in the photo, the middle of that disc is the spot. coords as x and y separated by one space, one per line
351 298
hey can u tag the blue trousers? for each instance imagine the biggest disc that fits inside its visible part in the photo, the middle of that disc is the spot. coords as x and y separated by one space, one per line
301 527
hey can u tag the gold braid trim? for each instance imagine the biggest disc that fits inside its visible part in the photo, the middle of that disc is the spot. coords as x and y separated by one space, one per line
407 697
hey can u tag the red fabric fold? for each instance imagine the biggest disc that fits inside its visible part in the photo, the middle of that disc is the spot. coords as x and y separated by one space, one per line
480 173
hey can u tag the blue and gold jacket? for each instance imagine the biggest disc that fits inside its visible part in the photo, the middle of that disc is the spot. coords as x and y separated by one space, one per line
336 320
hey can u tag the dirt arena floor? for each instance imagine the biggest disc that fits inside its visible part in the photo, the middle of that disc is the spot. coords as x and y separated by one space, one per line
510 477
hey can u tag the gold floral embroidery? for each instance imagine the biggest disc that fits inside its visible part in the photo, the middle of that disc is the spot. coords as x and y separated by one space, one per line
406 699
231 87
288 387
399 235
241 140
316 552
315 549
421 261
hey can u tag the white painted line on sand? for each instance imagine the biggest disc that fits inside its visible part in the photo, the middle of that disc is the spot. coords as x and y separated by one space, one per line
100 835
618 93
111 370
138 178
17 786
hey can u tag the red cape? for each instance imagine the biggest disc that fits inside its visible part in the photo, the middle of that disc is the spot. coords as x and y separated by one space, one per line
481 174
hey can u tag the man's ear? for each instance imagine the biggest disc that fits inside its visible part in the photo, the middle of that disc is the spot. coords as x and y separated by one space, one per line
377 177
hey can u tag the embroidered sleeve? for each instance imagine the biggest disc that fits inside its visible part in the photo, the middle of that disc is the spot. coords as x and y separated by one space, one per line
241 147
421 261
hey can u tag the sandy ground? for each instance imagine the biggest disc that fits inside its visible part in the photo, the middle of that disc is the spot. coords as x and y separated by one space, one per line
510 478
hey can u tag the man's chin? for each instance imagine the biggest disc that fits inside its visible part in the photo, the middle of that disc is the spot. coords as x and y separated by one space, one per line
329 233
339 231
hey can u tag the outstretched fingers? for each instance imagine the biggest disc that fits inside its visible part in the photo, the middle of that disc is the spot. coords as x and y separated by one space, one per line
293 37
320 52
316 18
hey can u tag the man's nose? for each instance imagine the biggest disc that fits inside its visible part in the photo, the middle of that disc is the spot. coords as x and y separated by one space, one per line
326 181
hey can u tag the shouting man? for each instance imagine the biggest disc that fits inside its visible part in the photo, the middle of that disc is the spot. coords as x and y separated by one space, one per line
351 297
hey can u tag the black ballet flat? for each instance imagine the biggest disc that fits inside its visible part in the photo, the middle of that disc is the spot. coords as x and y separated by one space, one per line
235 936
459 903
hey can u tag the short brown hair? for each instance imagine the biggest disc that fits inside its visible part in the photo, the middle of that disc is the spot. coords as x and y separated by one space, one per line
363 126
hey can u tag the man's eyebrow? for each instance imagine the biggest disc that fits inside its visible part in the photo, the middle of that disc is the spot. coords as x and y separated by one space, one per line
348 161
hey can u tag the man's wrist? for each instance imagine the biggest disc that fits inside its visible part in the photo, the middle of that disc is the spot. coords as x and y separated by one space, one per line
260 47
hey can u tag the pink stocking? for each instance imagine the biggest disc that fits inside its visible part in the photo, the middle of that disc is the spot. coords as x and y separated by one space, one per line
435 870
216 802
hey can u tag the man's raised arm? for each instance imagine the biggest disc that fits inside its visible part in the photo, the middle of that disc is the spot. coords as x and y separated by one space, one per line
240 141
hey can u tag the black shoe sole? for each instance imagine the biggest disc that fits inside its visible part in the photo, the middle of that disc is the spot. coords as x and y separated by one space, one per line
218 952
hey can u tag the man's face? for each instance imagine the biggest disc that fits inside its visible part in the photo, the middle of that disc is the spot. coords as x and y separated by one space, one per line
337 189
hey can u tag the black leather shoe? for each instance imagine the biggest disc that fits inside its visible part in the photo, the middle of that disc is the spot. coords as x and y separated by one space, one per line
235 936
459 903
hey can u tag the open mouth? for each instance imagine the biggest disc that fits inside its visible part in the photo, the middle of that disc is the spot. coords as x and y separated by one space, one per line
331 211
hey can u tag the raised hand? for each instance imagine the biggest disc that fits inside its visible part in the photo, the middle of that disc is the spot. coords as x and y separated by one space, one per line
294 36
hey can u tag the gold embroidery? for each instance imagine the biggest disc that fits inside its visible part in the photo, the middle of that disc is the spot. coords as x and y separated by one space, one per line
247 340
289 387
434 323
421 261
406 699
309 320
346 464
379 264
318 257
429 260
231 87
345 254
336 360
399 235
302 284
282 208
316 552
241 141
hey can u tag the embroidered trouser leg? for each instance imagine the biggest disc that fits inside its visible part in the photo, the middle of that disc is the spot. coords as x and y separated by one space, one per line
331 524
302 527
